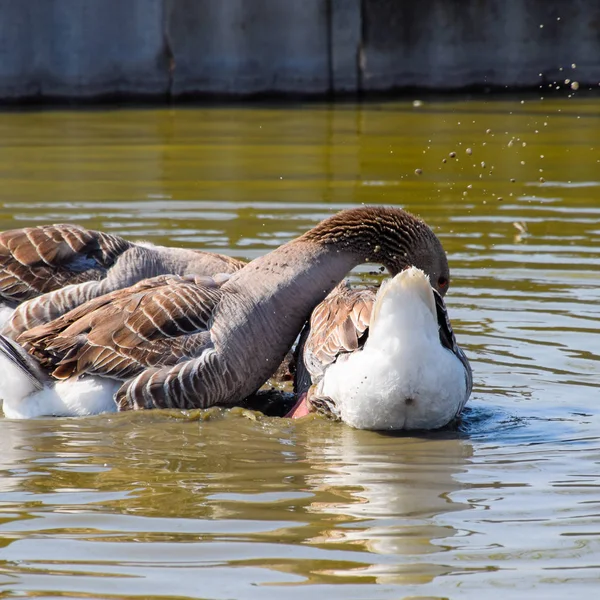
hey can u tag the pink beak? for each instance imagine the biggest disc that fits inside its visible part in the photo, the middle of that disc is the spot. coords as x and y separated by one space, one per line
300 409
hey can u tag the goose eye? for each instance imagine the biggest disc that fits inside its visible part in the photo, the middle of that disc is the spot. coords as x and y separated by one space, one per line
442 282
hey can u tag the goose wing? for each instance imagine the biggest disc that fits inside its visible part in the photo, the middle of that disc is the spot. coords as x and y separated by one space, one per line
156 322
130 264
337 326
36 260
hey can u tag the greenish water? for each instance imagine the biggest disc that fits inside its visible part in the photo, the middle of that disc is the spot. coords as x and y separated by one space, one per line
163 505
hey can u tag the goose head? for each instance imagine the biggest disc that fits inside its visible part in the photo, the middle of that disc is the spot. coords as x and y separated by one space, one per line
388 236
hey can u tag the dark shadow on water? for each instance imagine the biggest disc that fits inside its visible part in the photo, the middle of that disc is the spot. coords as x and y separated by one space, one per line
378 100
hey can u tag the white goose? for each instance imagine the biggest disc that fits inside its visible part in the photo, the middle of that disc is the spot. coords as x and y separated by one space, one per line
172 342
48 270
385 360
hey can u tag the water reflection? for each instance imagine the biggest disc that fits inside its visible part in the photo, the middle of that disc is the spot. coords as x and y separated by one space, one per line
348 495
386 498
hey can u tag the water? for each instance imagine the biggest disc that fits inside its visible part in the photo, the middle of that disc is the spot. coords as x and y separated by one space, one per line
232 505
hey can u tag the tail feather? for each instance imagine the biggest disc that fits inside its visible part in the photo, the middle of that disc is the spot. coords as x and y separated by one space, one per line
22 375
410 282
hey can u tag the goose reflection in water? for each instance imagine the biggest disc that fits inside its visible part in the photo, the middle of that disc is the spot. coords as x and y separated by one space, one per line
312 502
390 497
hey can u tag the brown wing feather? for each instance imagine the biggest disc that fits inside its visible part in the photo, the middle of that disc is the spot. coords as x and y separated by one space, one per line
153 323
337 326
36 260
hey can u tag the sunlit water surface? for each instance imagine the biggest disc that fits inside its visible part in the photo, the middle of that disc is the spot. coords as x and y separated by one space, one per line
232 505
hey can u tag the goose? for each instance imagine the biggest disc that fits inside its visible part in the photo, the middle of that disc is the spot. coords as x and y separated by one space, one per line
385 359
46 271
176 342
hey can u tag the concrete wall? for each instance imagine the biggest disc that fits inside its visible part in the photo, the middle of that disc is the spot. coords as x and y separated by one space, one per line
80 49
248 46
449 44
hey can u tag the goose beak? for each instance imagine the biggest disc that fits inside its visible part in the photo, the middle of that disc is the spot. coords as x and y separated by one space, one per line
300 409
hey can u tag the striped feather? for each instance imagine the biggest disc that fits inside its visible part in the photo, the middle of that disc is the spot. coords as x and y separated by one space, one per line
36 260
337 326
158 321
47 271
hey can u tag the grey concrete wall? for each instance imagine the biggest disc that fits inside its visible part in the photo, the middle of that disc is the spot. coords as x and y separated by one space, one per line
81 49
449 44
249 46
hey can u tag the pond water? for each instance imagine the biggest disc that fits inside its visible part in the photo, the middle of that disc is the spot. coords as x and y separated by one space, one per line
233 505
